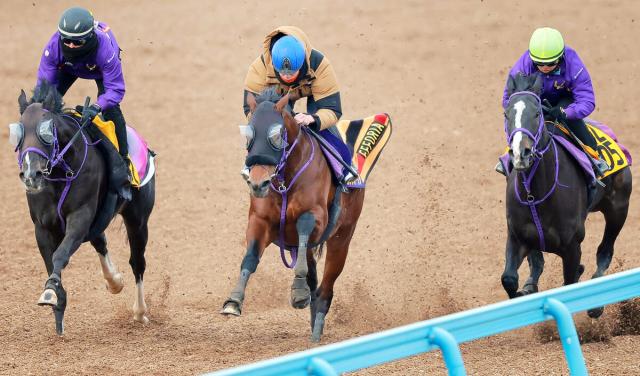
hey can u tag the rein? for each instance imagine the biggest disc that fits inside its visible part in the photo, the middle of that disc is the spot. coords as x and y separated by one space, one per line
526 178
56 159
283 190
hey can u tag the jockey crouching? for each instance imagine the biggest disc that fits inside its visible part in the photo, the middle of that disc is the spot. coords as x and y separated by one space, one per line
84 48
567 86
289 63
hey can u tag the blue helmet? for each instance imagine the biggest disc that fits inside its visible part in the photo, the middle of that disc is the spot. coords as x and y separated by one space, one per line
288 55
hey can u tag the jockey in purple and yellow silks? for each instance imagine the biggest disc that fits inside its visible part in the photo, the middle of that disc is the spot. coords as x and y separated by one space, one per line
566 84
297 70
84 48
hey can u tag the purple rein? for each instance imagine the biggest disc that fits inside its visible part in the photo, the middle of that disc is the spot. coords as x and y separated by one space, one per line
283 190
56 159
530 200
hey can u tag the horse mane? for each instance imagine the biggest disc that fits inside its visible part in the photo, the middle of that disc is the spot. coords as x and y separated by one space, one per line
270 94
47 94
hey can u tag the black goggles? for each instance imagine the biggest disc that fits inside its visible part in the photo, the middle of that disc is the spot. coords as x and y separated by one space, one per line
75 42
548 64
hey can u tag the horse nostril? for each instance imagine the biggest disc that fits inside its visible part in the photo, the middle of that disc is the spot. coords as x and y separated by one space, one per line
21 175
38 174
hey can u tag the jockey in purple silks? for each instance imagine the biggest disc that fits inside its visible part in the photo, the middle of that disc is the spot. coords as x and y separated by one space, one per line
567 84
85 48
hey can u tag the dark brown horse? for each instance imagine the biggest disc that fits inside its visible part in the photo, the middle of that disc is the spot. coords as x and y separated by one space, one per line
66 183
284 158
547 196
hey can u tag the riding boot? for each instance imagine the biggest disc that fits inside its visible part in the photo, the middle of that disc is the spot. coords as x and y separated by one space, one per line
120 168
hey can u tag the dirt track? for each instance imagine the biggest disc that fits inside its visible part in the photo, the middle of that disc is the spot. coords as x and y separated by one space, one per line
431 237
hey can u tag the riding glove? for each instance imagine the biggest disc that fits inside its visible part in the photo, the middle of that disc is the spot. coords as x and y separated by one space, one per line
90 112
558 113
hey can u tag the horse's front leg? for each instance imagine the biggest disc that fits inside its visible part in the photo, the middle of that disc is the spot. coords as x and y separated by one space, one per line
258 236
54 294
536 266
514 256
300 292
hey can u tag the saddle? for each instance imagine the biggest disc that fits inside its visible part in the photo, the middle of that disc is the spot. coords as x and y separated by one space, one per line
142 168
142 165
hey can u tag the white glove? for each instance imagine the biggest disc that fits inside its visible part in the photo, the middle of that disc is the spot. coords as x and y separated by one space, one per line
304 119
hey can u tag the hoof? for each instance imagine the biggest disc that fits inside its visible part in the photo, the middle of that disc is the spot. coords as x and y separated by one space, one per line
141 318
48 298
115 284
231 308
594 313
318 328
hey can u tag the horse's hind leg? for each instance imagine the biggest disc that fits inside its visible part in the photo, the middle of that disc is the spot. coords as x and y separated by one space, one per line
337 249
300 291
136 217
113 278
312 282
614 220
536 266
257 239
514 256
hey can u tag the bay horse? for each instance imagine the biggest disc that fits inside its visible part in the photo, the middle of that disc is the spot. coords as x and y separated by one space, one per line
65 185
294 201
547 197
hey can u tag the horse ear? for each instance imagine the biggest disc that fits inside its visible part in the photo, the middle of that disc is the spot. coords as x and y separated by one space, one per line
49 101
537 84
511 85
22 101
251 101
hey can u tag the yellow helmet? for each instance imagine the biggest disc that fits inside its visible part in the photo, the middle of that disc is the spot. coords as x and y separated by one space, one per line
546 45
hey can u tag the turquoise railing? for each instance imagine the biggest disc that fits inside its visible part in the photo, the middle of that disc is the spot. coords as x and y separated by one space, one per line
447 332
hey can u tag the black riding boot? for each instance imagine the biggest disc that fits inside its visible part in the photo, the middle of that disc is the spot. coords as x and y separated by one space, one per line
120 173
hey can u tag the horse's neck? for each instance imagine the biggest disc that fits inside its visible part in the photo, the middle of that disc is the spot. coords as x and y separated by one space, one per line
300 154
545 175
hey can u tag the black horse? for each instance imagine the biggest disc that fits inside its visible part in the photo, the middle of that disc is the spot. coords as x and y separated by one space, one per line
66 185
547 196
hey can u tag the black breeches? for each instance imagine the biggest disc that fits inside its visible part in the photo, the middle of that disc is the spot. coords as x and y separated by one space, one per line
113 114
578 126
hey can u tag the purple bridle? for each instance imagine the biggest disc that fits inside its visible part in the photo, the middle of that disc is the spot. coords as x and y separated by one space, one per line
283 189
56 159
530 200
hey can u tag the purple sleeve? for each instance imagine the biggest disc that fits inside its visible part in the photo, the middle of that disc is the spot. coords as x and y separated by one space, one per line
584 100
519 67
113 79
48 68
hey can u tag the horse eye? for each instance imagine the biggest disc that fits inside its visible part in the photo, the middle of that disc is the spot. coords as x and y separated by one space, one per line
248 133
16 134
45 131
275 136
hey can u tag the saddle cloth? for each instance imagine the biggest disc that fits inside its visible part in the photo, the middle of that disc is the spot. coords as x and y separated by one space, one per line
362 142
142 158
608 148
